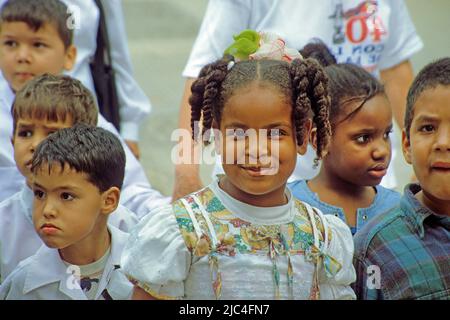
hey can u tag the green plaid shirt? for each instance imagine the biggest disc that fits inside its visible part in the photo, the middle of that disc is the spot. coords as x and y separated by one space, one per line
404 253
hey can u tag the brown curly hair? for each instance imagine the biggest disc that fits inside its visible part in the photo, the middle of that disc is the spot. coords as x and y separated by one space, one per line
303 82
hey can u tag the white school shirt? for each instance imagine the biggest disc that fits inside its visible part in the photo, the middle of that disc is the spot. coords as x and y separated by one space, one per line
137 194
18 238
382 40
134 104
44 276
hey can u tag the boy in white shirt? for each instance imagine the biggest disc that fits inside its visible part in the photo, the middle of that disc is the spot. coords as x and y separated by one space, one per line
36 39
46 104
77 174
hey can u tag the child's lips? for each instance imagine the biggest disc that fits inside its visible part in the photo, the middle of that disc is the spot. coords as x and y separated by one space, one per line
49 229
378 171
24 75
28 164
255 171
443 166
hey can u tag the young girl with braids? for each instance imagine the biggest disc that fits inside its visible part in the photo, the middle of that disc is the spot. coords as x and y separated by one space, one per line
358 157
245 236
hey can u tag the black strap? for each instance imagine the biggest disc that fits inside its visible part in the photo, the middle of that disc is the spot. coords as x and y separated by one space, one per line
103 73
103 52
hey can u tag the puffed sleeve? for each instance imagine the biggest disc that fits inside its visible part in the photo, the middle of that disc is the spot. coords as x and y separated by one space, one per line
340 248
155 257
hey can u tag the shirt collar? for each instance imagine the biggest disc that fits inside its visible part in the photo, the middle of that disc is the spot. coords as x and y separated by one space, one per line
416 213
55 269
258 215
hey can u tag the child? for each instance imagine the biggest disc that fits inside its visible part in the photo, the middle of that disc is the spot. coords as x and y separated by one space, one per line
73 196
348 184
245 236
46 104
404 253
35 39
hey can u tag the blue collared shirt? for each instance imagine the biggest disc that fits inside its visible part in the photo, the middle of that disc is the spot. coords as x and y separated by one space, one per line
404 253
385 199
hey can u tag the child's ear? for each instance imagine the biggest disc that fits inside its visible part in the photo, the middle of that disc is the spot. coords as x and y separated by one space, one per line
301 148
406 147
217 137
70 58
313 137
110 200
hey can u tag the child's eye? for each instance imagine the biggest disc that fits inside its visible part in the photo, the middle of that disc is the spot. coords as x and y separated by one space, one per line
25 133
276 133
239 134
427 128
40 45
10 43
39 194
387 134
67 196
363 139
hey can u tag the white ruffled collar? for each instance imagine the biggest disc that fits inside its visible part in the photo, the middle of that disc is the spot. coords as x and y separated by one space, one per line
256 215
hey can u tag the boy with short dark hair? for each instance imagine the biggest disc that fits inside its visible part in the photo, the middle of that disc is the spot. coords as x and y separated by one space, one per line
404 253
77 174
45 105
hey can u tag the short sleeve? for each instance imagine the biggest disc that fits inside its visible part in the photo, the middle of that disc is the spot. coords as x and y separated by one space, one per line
155 257
222 20
341 249
403 41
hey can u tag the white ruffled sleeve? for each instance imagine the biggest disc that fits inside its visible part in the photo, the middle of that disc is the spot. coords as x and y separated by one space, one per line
156 257
340 247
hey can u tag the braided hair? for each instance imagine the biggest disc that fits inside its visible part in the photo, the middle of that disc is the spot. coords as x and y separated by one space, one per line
302 82
348 83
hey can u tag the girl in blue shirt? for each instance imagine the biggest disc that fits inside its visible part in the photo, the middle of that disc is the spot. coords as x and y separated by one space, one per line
348 184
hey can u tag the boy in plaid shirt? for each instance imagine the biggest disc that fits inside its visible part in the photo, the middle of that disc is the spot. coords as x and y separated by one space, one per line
405 253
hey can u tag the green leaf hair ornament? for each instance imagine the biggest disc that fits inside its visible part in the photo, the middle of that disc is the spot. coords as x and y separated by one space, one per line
252 45
245 43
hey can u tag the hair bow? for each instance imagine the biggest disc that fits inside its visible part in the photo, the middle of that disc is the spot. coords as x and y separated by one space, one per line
252 45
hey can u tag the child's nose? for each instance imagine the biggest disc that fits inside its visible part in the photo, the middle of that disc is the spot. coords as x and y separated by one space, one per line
443 139
49 210
381 150
23 54
34 143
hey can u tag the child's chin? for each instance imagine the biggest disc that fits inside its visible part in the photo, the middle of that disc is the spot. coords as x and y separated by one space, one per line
259 189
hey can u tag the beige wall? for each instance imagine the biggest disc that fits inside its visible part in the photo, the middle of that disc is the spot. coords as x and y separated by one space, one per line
432 21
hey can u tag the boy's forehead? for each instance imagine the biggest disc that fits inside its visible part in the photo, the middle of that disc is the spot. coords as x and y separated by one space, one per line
24 29
55 174
432 98
40 119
